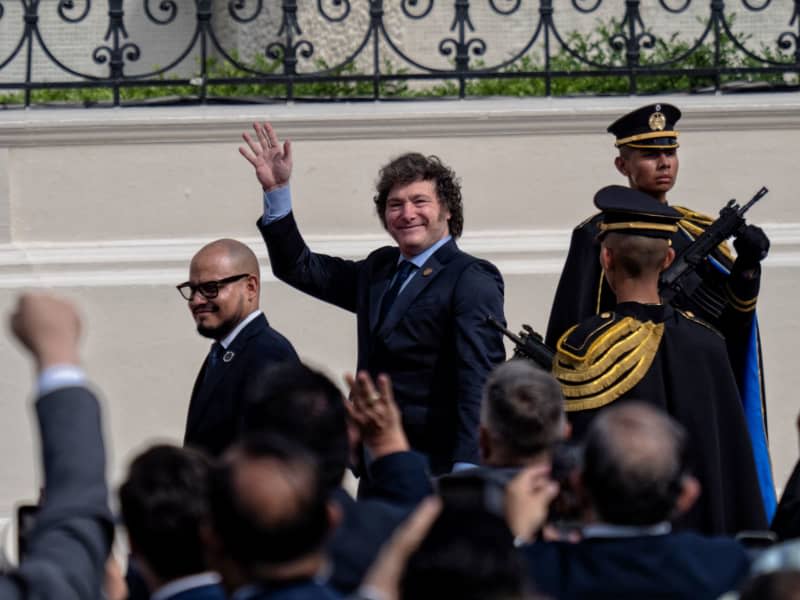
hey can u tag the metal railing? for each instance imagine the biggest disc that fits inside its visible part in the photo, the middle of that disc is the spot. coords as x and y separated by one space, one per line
626 49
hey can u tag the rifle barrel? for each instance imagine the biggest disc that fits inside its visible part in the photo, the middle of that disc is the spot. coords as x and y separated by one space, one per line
759 194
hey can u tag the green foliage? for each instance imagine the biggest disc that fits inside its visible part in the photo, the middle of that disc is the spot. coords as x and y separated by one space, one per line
594 47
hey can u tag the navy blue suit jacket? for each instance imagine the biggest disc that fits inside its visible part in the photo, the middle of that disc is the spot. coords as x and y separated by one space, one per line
400 481
434 341
675 566
72 535
215 411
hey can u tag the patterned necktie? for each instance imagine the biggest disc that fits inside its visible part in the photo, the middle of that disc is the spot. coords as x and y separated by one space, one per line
213 360
404 271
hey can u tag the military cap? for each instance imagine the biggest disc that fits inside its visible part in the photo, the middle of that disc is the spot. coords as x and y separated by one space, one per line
632 212
651 126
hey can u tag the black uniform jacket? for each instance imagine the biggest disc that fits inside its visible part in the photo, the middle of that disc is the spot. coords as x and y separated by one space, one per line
215 411
660 355
434 341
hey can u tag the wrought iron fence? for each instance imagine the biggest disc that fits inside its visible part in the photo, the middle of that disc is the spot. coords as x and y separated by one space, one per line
627 49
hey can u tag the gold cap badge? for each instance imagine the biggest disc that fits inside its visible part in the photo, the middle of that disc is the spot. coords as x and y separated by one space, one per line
657 121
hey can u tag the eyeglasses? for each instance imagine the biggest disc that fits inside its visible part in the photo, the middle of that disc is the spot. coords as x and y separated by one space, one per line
208 289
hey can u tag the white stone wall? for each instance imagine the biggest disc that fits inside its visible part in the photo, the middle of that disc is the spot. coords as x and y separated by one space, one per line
107 206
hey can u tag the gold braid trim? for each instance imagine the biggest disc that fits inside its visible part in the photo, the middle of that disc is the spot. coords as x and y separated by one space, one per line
739 304
613 365
605 361
695 223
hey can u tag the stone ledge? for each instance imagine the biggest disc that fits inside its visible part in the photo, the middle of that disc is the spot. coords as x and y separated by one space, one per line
165 262
381 120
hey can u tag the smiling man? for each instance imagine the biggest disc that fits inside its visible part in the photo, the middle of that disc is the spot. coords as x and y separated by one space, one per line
223 296
421 305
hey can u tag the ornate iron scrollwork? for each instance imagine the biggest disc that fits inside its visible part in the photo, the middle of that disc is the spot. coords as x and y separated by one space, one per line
625 51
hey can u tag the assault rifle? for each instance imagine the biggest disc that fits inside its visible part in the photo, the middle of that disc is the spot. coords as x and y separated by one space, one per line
528 344
678 278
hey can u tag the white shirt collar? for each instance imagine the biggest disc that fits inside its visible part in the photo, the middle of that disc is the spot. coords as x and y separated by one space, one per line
606 530
182 584
228 340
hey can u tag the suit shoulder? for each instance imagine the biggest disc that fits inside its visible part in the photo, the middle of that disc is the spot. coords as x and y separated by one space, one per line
383 253
602 358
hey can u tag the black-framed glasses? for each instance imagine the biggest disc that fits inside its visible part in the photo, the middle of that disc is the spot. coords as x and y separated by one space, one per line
209 289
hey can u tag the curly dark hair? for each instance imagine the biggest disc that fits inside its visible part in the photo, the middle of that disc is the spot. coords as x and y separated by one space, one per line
412 167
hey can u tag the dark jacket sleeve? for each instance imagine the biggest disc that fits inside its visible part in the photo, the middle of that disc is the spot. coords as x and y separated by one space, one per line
69 544
478 349
399 478
580 285
327 278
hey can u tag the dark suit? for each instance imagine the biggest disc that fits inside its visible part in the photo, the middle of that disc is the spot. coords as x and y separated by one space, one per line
399 483
72 536
675 566
434 342
215 411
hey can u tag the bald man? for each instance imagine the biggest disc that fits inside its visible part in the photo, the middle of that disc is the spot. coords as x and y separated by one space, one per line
223 294
271 515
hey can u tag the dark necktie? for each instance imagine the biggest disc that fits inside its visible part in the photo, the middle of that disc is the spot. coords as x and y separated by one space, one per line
404 271
213 360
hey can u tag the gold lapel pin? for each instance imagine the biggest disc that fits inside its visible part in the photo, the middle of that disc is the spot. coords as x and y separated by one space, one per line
427 272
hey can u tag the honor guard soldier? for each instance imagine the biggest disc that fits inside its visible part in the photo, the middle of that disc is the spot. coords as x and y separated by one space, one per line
648 351
727 288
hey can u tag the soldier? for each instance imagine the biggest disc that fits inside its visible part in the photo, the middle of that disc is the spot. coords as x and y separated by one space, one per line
726 297
657 353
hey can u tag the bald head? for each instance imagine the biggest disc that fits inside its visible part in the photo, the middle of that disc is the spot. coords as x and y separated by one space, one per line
268 504
226 287
233 253
634 464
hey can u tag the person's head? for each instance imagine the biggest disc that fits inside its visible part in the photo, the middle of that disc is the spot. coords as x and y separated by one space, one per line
223 287
635 233
305 406
163 502
522 414
418 201
648 144
270 514
468 553
635 257
634 466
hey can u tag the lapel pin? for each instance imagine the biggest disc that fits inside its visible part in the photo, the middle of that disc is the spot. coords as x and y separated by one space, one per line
427 272
228 356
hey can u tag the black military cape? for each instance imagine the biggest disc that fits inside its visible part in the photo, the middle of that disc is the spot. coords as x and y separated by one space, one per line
726 299
678 363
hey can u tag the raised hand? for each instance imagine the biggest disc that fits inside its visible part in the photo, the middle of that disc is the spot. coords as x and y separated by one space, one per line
48 327
528 498
272 162
375 413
